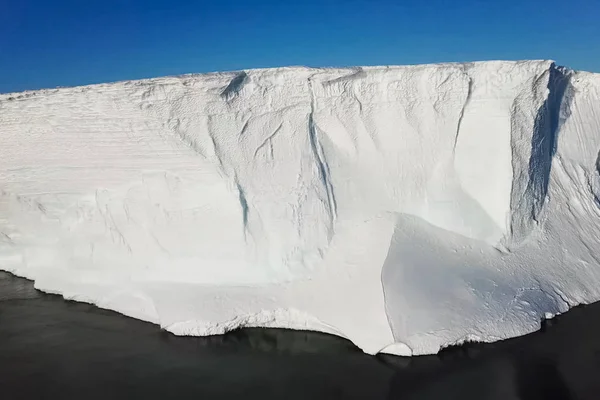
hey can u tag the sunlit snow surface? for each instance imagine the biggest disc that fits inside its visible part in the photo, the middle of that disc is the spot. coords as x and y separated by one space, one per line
405 208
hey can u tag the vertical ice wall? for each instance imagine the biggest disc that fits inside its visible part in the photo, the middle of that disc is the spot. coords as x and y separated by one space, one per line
258 179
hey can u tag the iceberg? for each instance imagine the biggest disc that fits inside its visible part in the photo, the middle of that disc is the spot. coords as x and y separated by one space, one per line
405 208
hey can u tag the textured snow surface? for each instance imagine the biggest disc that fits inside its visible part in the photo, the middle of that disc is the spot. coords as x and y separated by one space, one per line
404 208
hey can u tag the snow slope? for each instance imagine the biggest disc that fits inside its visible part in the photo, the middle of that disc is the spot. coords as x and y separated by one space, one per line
404 208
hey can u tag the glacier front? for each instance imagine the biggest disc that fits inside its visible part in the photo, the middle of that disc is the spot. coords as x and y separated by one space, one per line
404 208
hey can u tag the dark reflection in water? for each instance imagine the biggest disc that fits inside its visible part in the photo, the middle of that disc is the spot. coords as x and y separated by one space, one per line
53 349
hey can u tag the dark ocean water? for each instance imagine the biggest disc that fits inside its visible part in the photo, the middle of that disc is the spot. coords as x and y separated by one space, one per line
54 349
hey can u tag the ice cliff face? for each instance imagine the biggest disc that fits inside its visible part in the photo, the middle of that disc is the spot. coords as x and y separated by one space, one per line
405 208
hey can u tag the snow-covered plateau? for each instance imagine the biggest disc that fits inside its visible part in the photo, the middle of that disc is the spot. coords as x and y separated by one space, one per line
404 208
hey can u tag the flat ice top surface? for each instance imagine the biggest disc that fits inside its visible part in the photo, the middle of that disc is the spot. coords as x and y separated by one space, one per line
404 208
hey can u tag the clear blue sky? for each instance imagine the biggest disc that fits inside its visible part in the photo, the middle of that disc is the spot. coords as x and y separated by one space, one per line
49 43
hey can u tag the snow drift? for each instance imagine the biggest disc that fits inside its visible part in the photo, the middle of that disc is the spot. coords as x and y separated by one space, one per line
404 208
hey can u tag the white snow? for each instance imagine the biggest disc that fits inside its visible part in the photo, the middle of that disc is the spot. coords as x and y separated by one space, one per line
404 208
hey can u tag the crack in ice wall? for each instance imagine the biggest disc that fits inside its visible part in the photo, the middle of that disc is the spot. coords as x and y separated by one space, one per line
321 161
462 111
531 186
